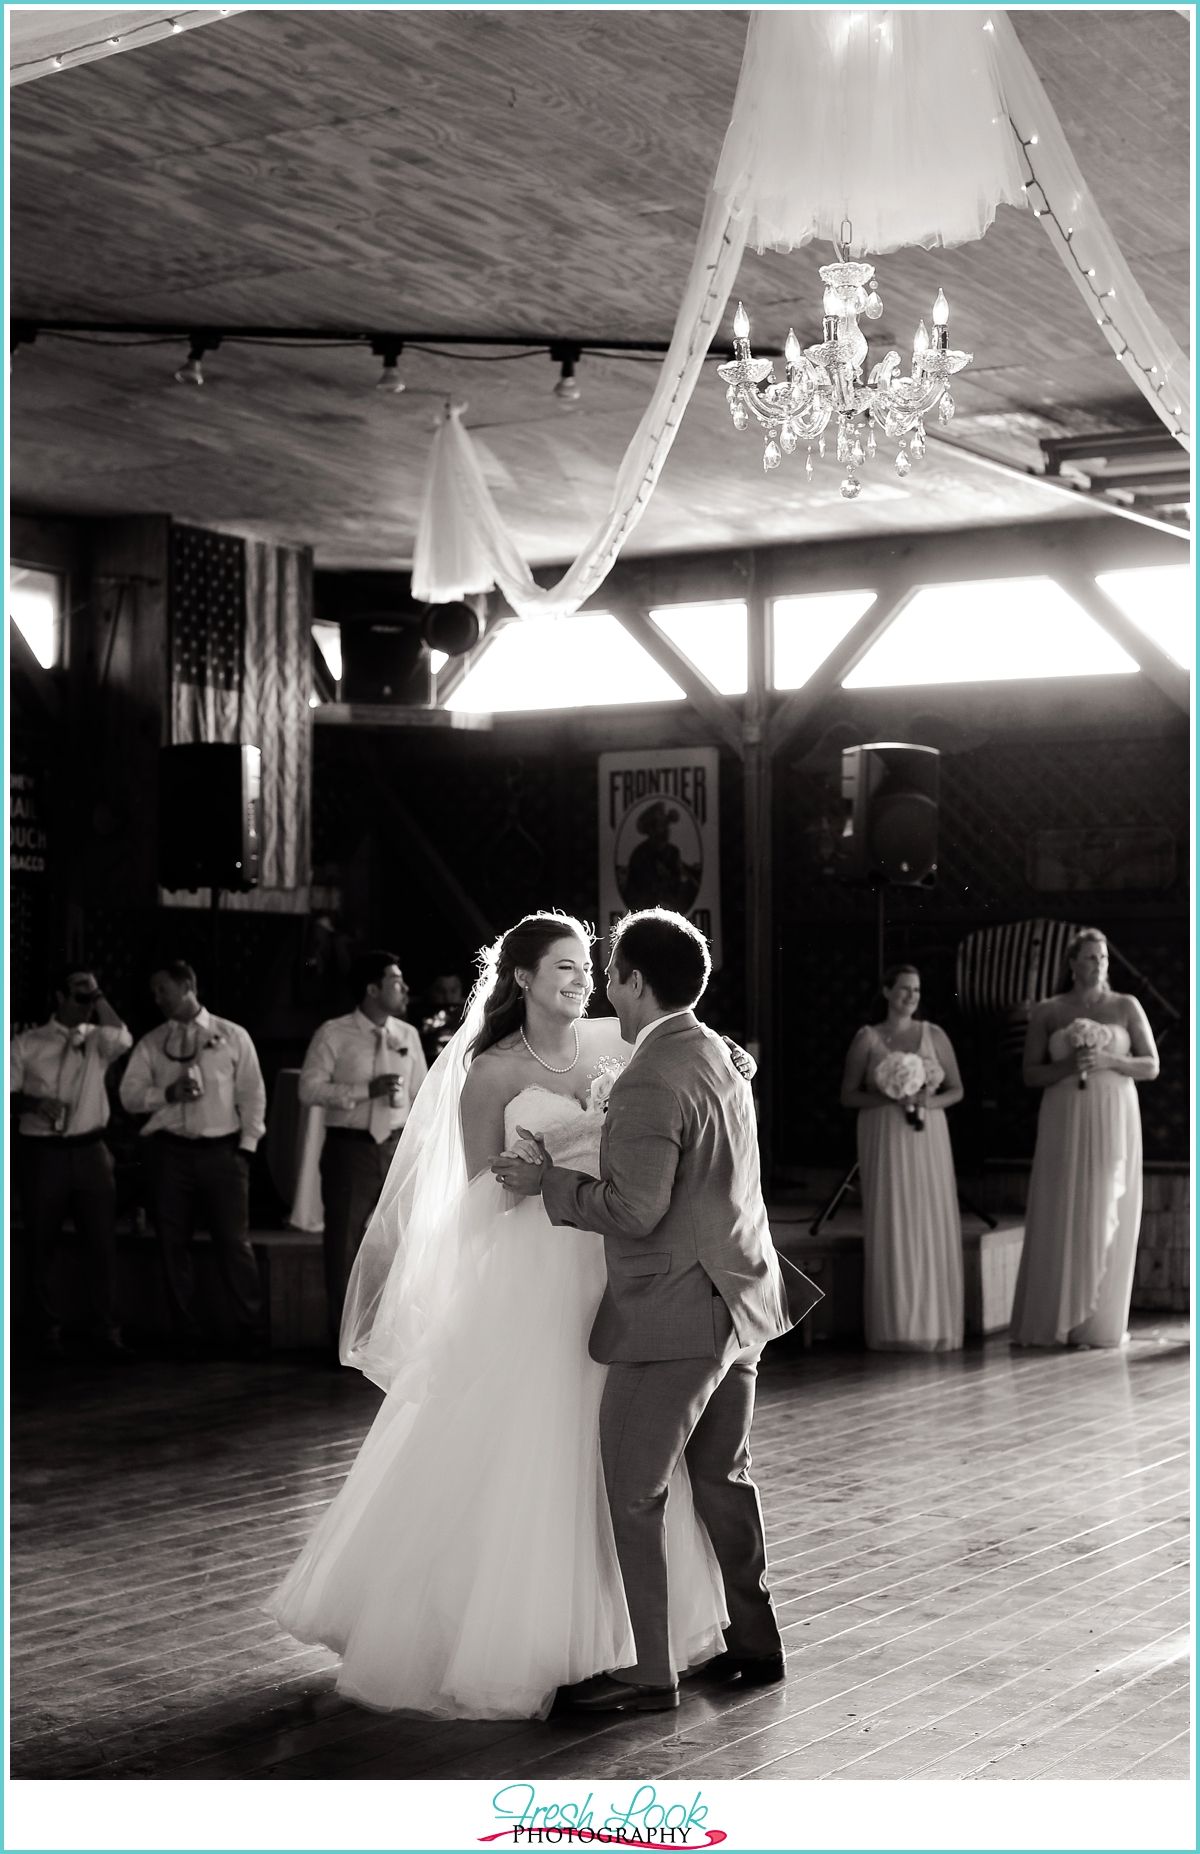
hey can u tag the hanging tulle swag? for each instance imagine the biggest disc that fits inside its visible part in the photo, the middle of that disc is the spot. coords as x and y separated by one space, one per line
902 122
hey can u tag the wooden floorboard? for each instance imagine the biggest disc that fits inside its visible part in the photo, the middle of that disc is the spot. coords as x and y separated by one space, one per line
980 1562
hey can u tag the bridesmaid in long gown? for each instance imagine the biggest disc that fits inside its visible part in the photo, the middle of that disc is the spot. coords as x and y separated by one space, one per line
1085 1189
912 1234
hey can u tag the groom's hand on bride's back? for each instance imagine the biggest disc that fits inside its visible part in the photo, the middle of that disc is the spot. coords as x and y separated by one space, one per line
522 1168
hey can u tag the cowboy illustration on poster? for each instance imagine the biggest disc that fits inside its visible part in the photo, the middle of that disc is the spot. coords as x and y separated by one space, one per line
659 836
656 871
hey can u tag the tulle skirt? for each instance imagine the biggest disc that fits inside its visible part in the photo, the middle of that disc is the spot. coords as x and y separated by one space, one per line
1083 1215
467 1567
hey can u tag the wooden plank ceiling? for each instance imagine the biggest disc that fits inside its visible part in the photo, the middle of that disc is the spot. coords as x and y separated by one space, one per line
514 173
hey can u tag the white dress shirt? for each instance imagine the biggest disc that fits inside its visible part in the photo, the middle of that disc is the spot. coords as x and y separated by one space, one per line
645 1030
234 1098
61 1063
345 1056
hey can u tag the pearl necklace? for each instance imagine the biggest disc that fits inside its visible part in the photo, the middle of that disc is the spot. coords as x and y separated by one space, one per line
550 1065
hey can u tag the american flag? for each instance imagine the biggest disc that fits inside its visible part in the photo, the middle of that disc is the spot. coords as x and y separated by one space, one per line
208 629
241 670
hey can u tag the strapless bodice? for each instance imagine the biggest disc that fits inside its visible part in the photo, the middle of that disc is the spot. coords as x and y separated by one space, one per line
1116 1044
571 1132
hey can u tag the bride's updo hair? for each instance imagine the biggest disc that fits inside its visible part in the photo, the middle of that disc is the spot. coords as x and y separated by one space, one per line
524 946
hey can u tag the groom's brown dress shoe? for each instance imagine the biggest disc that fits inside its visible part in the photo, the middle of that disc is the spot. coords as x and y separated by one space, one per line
603 1693
754 1670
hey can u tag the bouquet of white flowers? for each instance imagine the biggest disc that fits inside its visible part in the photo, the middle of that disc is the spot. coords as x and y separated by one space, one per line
900 1077
602 1078
1086 1033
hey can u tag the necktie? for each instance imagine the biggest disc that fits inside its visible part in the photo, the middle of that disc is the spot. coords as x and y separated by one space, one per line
380 1121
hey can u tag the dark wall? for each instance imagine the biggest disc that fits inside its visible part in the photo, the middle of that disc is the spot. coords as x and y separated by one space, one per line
510 817
999 784
513 813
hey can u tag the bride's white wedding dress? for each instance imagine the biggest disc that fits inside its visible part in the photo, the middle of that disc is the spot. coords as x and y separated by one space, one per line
467 1568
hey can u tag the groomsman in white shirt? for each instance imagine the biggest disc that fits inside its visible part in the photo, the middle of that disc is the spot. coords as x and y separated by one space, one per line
198 1078
64 1167
363 1070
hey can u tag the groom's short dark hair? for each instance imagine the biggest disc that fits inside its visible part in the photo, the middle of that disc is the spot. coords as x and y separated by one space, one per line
671 955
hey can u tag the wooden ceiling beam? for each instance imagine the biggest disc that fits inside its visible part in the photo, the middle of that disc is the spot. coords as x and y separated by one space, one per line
798 707
717 710
1162 669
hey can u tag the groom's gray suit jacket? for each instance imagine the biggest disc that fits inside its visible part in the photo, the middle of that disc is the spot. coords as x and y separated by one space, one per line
680 1206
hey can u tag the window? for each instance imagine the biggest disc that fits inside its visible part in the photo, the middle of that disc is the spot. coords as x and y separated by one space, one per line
807 628
35 604
713 636
996 630
328 639
1161 601
588 661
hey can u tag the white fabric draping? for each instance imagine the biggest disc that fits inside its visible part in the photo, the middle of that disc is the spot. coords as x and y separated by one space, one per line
1147 350
462 544
890 120
911 125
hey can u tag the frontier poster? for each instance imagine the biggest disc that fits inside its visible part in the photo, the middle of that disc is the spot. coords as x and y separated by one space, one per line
660 836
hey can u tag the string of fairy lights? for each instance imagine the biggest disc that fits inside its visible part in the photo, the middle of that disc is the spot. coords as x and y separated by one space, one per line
1160 388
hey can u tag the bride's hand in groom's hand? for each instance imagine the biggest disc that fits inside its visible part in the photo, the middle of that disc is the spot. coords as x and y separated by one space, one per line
520 1173
527 1148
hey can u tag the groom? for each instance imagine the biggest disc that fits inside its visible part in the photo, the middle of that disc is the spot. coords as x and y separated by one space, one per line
694 1293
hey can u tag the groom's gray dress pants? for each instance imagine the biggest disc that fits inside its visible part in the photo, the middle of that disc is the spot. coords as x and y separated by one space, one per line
701 1408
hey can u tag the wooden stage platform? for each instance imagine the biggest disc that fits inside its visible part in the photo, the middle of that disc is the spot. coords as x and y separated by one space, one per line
980 1562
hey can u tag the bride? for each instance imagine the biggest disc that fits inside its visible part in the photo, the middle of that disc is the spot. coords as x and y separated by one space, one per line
467 1567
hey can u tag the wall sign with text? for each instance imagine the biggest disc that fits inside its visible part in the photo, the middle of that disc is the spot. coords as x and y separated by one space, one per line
660 836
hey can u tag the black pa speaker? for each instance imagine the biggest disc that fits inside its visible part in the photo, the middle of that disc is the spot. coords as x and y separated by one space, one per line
208 800
385 661
890 794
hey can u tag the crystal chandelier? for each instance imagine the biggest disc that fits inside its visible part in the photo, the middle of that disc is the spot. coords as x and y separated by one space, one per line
827 378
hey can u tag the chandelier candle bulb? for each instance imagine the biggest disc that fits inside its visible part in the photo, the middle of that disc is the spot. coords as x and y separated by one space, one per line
741 325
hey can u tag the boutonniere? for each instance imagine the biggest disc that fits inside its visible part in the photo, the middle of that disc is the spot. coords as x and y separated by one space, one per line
602 1078
396 1046
214 1042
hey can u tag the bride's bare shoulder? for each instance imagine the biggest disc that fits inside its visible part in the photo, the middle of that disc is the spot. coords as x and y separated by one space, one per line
494 1072
601 1036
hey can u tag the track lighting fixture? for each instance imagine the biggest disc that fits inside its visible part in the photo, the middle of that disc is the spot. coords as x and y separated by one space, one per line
191 373
566 353
389 349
